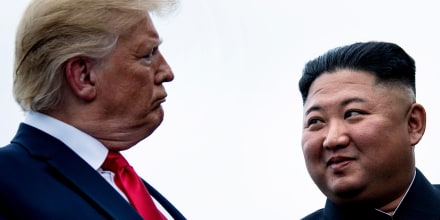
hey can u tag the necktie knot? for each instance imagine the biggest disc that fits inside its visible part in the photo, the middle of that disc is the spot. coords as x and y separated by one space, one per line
114 162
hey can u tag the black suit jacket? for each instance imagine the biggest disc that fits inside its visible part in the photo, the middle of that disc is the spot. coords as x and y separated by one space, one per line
422 202
41 178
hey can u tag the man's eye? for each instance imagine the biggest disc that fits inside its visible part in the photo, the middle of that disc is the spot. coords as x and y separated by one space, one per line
352 113
313 121
152 53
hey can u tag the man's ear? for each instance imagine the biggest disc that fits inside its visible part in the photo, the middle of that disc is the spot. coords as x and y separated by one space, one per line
81 78
416 123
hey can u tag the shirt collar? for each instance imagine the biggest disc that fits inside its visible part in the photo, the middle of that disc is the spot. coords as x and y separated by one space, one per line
87 147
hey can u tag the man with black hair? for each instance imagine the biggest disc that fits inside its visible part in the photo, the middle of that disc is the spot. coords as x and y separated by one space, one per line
361 124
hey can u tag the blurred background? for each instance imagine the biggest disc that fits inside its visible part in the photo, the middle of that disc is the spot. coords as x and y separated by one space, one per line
229 147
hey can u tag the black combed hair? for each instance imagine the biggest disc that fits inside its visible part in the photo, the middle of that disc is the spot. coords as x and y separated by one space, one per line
387 61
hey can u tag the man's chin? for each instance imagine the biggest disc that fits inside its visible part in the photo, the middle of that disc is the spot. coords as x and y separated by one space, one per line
345 188
345 195
152 125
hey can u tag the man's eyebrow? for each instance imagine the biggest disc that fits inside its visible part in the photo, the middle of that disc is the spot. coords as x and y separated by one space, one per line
313 108
343 103
149 45
351 100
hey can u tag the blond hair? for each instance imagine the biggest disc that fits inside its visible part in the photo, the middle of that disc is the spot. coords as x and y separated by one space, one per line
53 31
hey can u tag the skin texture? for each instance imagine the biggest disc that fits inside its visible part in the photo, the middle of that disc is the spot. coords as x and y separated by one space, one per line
358 138
118 101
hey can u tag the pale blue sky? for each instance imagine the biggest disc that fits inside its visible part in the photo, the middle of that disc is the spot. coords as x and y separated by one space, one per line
229 147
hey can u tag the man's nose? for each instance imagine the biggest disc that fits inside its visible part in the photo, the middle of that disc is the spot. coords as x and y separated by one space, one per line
164 73
337 136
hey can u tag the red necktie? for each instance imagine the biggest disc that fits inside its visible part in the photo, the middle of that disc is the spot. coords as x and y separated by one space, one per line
129 182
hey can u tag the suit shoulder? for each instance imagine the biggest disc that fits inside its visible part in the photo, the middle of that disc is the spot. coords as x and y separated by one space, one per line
317 215
11 151
15 158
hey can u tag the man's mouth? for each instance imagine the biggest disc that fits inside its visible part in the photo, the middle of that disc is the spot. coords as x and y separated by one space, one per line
339 162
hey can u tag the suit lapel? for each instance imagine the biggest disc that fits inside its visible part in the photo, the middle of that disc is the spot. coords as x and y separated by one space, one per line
164 202
75 172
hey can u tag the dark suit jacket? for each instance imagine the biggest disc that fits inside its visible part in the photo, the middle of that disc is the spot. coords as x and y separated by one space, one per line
41 178
422 202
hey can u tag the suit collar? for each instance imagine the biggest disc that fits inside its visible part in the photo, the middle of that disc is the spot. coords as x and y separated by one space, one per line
421 202
84 145
74 171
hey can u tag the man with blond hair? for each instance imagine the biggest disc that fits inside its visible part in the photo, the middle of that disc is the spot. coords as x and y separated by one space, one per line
89 76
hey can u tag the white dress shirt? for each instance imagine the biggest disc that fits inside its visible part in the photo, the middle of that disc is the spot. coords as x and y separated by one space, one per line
85 146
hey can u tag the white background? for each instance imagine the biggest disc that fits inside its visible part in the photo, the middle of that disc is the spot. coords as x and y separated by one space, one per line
229 147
